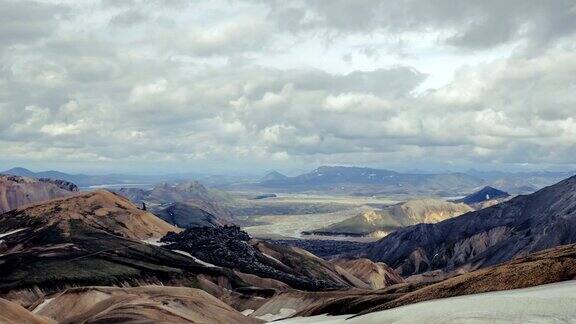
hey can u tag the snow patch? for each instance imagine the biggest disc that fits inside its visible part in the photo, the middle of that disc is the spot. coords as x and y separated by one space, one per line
552 303
154 241
12 232
196 259
247 312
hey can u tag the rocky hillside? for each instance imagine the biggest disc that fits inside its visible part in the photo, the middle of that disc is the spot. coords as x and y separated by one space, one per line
490 236
379 223
18 191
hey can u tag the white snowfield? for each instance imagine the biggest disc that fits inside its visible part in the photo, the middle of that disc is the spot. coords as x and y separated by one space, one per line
554 303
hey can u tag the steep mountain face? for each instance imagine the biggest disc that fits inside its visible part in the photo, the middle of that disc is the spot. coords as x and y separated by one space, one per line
382 222
376 274
486 237
232 248
192 193
147 304
18 191
186 216
93 238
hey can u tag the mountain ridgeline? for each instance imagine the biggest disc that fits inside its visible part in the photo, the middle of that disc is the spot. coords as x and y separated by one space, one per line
486 237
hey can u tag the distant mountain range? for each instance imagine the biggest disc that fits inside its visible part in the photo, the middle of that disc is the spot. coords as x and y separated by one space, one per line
331 180
368 181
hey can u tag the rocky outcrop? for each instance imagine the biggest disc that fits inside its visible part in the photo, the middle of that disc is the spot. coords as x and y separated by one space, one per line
18 191
486 237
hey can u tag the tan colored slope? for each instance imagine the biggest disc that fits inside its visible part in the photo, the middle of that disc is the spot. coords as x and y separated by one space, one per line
11 313
147 304
427 211
102 210
376 274
20 191
381 222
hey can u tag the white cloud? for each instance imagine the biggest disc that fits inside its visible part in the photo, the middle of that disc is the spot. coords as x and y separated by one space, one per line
210 83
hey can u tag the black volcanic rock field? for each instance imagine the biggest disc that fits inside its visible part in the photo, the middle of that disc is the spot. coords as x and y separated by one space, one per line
232 248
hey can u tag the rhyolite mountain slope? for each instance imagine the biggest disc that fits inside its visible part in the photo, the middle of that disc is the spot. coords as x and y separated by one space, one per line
545 267
146 304
185 215
490 236
93 238
16 191
379 223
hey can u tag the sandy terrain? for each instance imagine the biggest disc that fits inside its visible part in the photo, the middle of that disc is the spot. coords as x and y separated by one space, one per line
553 303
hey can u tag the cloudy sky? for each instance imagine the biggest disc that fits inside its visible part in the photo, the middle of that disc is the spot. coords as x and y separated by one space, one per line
161 86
